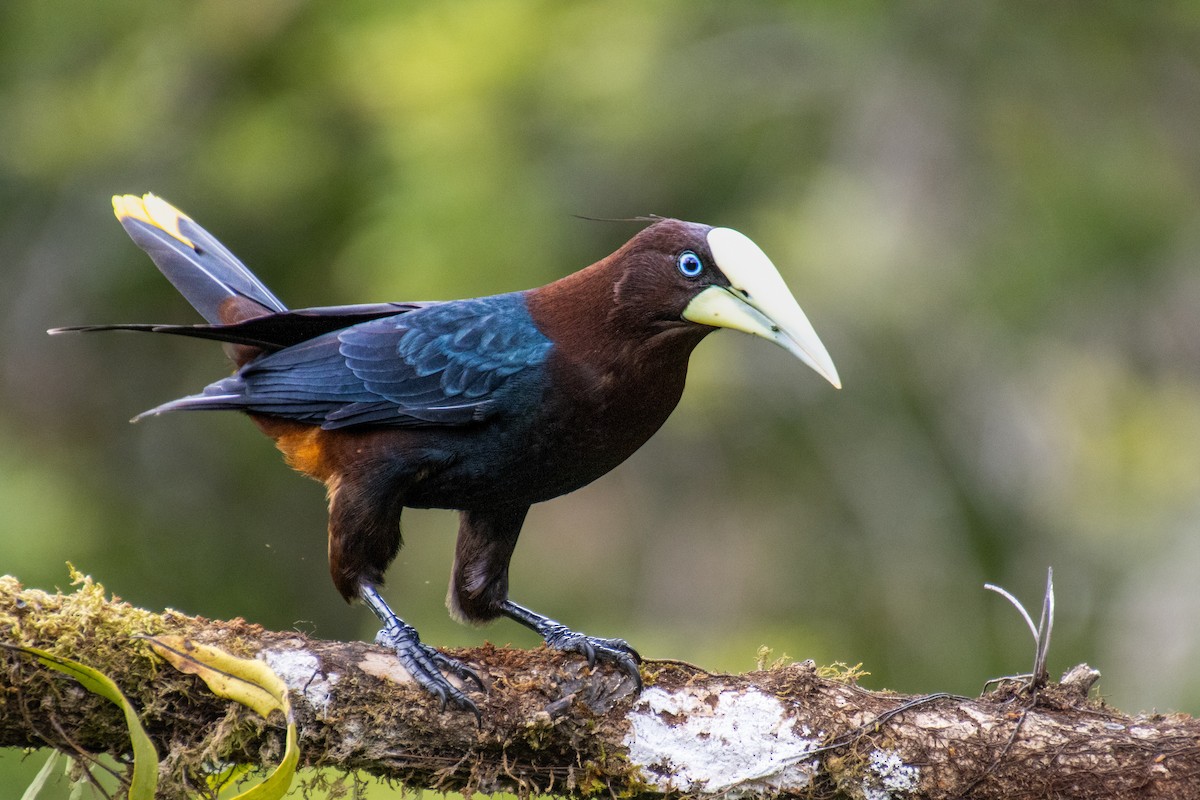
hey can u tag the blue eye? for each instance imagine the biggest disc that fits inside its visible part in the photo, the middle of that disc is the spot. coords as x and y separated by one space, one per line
689 264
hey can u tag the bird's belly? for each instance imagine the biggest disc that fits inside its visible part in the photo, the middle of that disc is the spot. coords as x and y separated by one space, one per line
522 465
503 479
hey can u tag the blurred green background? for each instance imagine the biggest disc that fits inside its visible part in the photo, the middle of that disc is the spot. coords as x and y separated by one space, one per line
989 211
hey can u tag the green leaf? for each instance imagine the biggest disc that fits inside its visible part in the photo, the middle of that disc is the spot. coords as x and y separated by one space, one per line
244 680
39 780
144 780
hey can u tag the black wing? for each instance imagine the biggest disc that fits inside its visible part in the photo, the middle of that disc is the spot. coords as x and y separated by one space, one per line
442 364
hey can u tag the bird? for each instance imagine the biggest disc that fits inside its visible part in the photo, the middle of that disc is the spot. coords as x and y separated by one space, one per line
484 405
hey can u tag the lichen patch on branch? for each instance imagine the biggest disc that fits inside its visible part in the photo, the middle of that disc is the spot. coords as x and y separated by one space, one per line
888 777
738 741
301 670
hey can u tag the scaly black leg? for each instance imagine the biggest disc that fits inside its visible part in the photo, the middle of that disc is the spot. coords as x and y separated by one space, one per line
423 662
614 651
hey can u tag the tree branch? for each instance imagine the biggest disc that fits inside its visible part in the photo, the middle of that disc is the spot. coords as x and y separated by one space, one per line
550 724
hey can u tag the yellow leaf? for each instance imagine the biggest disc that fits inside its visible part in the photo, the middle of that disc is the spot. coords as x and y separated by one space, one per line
243 680
227 775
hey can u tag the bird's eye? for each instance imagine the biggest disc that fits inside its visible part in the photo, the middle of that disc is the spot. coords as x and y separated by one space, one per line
689 264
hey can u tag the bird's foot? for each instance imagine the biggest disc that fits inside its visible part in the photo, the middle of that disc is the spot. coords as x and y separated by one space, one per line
427 664
610 651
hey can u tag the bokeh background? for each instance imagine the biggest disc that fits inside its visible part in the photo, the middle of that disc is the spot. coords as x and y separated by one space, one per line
989 210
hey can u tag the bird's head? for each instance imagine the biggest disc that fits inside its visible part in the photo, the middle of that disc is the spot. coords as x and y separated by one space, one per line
716 277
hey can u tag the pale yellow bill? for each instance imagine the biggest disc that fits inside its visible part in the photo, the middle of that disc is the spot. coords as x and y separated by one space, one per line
757 302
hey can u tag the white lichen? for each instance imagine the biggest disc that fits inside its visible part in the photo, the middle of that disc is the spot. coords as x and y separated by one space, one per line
301 671
888 777
729 743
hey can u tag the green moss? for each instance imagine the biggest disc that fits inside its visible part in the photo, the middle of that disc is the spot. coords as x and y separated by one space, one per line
840 672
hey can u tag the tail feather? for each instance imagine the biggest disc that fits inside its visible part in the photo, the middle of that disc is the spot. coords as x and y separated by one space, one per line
270 331
195 402
210 277
217 333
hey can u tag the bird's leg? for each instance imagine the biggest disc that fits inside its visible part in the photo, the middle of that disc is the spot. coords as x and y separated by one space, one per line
423 662
364 535
614 651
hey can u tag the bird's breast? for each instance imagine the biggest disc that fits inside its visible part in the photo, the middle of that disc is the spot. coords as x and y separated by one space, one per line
595 418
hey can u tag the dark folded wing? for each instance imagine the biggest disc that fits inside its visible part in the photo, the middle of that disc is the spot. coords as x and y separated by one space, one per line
442 364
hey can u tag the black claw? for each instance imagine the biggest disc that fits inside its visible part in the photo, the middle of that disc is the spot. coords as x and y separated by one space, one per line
460 669
622 645
630 667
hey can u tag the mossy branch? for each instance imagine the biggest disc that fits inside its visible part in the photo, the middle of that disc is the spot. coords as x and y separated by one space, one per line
552 725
